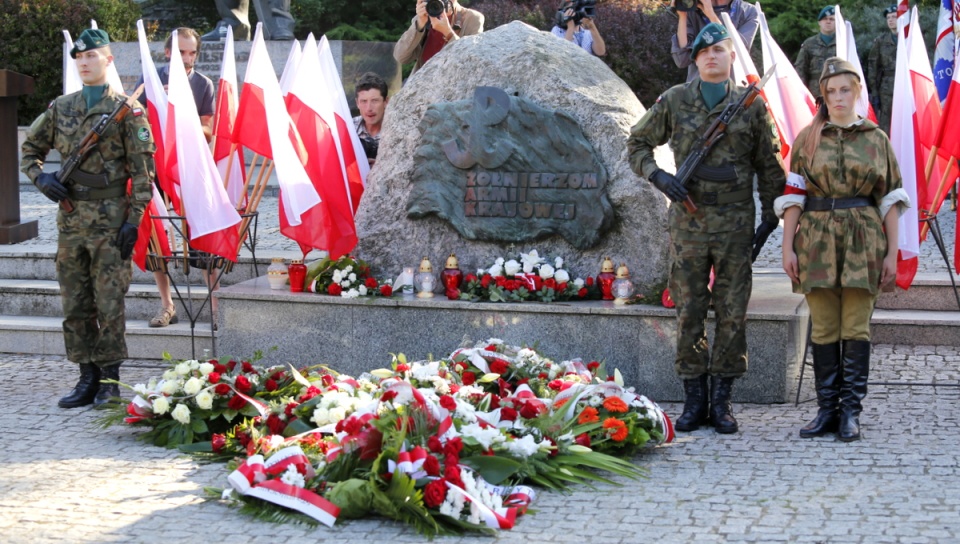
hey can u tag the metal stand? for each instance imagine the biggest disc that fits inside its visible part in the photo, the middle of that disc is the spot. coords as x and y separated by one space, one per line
938 238
214 266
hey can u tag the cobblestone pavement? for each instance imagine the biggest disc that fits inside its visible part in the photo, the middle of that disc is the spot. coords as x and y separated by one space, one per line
34 205
64 480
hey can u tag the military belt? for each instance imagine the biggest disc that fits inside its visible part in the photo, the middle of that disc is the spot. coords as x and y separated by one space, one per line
99 181
77 192
713 198
827 204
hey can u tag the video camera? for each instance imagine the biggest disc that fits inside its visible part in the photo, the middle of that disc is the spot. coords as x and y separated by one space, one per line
581 9
370 146
691 6
436 8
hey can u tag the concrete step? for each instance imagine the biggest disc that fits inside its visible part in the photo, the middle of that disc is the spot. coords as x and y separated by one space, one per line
928 292
41 298
915 327
44 336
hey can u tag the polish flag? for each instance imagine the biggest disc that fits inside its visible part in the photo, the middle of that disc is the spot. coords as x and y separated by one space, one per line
330 225
290 68
148 225
847 50
945 47
787 96
353 158
113 77
210 215
71 75
225 114
264 126
156 98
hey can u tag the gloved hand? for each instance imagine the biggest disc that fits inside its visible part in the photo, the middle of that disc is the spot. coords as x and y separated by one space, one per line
760 236
669 185
50 187
126 239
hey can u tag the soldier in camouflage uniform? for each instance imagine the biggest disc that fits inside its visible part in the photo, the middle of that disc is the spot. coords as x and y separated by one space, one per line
880 69
720 234
96 238
817 49
840 209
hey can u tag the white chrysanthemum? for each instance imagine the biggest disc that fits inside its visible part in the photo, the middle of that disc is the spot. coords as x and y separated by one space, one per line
193 386
352 293
496 270
321 416
345 284
562 276
441 385
183 368
337 414
337 278
161 405
486 437
293 477
204 400
352 277
170 387
523 447
578 282
423 371
362 290
546 271
205 369
511 267
181 413
474 516
558 262
348 269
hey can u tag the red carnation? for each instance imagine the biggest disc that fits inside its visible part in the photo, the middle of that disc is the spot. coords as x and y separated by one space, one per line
453 446
388 396
334 289
499 366
213 377
550 283
220 369
435 493
403 368
248 368
236 403
243 384
279 375
218 441
353 425
244 438
468 378
386 290
311 392
291 406
532 409
452 474
448 402
507 414
431 465
562 287
371 283
542 375
582 293
469 277
589 281
275 424
593 365
231 364
434 444
270 385
222 389
485 280
583 439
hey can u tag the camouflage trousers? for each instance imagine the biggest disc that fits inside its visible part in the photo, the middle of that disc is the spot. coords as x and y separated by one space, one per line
693 254
93 282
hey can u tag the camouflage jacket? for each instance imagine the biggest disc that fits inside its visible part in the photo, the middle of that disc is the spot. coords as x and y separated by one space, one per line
751 146
880 70
844 248
810 59
125 151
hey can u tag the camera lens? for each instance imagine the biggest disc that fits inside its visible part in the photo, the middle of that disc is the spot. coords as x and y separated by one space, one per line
435 8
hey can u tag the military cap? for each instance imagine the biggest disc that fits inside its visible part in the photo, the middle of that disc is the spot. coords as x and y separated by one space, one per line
834 66
710 35
889 9
91 38
828 10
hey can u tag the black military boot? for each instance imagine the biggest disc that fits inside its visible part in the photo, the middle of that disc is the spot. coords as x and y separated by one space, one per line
85 390
720 416
827 372
694 405
109 392
856 369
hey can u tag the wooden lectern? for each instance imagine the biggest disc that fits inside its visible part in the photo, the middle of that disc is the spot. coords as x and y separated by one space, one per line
12 230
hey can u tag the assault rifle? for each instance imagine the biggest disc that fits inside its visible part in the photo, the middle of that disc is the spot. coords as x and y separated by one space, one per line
72 162
717 130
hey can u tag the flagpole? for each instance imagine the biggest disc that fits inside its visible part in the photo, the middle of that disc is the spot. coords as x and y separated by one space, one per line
943 183
258 189
226 178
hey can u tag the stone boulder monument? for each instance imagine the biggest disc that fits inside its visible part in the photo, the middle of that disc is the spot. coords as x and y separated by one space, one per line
509 141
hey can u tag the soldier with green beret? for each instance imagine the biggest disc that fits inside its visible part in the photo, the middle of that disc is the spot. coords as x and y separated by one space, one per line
96 237
880 69
720 234
840 221
817 49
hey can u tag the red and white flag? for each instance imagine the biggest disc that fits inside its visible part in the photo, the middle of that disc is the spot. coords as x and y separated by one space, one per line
787 95
156 98
847 50
290 68
149 225
211 217
330 225
225 115
264 126
348 143
948 145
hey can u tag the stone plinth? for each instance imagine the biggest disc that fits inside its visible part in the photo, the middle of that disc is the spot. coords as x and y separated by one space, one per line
357 335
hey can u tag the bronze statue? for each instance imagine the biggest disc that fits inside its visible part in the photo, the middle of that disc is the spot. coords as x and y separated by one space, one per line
274 14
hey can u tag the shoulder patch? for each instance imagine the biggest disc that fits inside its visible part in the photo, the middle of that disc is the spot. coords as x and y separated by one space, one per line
143 134
137 112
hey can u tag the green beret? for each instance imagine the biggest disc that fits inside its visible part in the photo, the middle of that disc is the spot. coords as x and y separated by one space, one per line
829 10
834 66
91 38
888 10
710 35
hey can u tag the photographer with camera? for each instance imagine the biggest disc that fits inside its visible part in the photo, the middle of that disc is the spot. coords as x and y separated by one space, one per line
437 23
694 15
575 24
371 98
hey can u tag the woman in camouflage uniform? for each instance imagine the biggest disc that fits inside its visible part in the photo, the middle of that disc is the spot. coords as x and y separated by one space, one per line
840 211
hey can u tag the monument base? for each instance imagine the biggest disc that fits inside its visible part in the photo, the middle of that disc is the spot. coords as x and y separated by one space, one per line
18 232
357 335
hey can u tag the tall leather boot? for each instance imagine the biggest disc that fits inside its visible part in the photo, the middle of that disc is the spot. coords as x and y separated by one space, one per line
856 369
827 372
109 392
85 390
694 405
720 416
